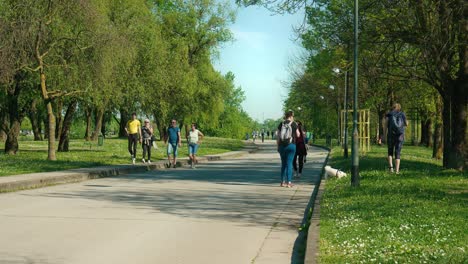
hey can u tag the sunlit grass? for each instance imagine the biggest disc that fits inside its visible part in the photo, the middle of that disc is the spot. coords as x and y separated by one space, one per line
418 216
33 154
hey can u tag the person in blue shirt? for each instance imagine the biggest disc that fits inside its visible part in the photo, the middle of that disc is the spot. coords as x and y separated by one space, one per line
173 141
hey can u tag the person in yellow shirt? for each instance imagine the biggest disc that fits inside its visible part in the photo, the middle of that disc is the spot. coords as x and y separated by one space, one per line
133 130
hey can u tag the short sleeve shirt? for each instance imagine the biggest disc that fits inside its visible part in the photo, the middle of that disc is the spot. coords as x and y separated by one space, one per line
293 126
133 125
193 136
172 132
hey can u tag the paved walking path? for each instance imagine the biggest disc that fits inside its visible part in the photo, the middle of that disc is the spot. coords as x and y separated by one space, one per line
222 212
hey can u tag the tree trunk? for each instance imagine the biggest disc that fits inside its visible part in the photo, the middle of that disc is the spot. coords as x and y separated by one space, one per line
50 116
45 121
14 117
426 133
3 135
454 120
67 122
106 118
88 124
381 127
97 124
160 128
123 122
458 155
11 143
437 149
59 119
35 122
4 126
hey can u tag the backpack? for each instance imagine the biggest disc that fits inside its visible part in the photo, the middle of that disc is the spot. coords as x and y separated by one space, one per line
397 124
285 135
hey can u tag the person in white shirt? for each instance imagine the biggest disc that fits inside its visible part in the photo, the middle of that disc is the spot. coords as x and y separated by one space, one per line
194 138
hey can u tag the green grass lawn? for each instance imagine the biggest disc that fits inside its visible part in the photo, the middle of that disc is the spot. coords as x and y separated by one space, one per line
417 216
33 154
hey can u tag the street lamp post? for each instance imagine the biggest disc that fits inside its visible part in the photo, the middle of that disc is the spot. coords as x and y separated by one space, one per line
345 106
332 87
345 109
355 150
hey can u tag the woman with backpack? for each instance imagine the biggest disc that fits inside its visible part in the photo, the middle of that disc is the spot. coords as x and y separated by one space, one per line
147 133
301 150
396 123
286 139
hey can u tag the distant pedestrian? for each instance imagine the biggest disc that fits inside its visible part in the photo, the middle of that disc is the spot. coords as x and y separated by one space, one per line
194 138
273 135
263 135
133 130
268 133
395 123
173 141
286 137
301 151
254 135
147 134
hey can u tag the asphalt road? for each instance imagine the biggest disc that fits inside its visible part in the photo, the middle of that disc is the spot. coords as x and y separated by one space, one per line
230 211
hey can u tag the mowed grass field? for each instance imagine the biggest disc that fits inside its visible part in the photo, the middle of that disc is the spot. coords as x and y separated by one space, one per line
32 155
417 216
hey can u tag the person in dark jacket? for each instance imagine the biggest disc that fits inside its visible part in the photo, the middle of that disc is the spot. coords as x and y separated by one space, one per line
396 123
301 150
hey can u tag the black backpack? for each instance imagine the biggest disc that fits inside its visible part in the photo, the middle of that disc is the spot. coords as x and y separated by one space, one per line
396 123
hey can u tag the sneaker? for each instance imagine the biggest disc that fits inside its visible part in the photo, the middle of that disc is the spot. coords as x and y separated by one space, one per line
174 166
390 169
299 175
149 161
143 160
133 161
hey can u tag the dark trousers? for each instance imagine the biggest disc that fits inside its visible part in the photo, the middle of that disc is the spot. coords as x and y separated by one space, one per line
301 162
147 148
132 144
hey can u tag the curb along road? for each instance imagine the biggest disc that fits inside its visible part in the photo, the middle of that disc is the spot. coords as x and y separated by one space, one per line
43 179
313 233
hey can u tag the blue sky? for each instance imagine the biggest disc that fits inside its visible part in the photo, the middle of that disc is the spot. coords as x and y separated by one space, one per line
259 56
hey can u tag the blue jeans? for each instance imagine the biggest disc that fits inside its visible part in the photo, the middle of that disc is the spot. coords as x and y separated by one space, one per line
193 148
287 155
172 149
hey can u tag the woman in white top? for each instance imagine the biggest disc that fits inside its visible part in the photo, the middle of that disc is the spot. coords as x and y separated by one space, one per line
194 138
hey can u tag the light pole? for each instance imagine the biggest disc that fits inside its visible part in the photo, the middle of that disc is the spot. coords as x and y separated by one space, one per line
332 87
345 108
355 150
327 136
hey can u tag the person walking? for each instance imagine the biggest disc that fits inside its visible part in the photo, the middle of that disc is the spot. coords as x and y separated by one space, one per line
173 141
194 139
395 123
301 151
263 135
286 137
147 133
133 130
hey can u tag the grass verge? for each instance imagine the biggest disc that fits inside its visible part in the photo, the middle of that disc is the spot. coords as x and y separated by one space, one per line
417 216
32 154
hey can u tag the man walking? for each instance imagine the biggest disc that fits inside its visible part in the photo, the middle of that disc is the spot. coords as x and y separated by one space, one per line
174 141
396 123
133 130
